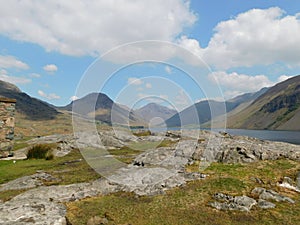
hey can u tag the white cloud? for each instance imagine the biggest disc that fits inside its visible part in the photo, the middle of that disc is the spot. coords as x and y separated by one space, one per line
7 61
51 96
191 44
88 28
35 75
12 79
168 69
148 85
73 98
255 37
234 84
50 68
283 78
134 81
218 99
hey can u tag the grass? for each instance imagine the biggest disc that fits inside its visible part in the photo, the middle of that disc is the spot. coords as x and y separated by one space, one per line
189 204
66 170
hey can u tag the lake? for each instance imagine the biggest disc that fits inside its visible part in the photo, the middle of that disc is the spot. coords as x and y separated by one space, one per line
284 136
292 137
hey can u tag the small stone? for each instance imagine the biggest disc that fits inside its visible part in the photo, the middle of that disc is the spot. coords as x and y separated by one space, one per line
298 180
97 220
263 204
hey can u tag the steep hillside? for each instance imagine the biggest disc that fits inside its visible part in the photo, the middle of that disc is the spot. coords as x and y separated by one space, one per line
278 108
28 107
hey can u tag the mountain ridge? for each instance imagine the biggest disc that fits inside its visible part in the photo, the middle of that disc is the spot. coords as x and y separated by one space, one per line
27 106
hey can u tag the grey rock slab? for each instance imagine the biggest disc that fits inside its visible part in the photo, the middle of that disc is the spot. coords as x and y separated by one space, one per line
26 182
32 211
43 205
147 181
186 148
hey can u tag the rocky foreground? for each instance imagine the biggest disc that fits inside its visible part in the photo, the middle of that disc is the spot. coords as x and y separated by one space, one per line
151 173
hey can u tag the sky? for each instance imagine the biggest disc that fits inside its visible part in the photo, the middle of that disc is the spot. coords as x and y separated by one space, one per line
172 52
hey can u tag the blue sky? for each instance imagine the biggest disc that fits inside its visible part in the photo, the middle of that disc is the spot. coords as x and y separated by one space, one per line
50 48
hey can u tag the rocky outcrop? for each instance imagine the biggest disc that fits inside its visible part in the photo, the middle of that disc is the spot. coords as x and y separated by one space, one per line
244 203
228 202
265 194
239 149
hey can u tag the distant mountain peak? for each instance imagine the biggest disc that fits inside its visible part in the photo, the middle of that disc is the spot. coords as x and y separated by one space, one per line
152 110
102 108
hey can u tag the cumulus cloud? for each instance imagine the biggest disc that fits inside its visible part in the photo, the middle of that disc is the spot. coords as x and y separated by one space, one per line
255 37
50 68
13 79
88 28
8 61
234 84
134 81
51 96
73 98
192 45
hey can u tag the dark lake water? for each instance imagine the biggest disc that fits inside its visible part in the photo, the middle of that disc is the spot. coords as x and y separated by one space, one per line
284 136
292 137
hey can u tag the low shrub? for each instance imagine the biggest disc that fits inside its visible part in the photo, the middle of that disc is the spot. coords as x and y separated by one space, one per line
142 133
40 151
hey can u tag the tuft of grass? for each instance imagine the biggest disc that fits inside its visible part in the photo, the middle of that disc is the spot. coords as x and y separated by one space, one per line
142 133
40 151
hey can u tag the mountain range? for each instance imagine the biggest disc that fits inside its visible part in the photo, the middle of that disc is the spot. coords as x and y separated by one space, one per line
277 107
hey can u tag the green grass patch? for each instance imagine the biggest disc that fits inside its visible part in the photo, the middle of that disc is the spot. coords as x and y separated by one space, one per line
20 145
66 169
7 195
